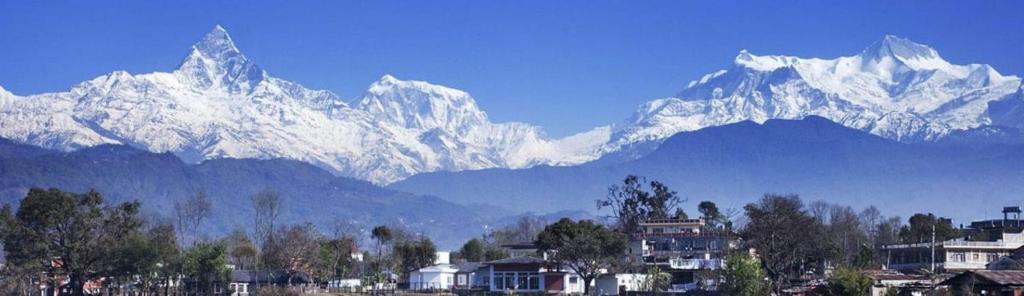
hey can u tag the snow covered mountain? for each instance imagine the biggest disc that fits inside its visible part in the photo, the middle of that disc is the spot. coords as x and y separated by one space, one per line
219 104
895 88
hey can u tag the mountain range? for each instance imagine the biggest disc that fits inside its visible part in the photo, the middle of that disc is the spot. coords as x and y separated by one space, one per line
218 104
736 163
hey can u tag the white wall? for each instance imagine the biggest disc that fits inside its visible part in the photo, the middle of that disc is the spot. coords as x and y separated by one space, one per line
431 280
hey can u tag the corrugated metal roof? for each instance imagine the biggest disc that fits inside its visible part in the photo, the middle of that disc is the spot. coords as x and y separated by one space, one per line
1003 277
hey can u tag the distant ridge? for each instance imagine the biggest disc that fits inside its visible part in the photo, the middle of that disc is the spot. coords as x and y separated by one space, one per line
735 163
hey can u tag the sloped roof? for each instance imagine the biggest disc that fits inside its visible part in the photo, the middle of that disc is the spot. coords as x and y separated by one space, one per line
996 277
466 267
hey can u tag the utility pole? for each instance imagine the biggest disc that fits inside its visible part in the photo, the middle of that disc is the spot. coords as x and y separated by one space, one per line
933 248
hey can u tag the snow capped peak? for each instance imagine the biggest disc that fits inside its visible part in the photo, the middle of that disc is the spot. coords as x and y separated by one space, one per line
903 48
215 62
763 63
217 43
891 52
421 105
387 79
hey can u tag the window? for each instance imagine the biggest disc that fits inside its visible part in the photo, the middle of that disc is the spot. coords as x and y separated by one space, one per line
499 281
958 257
448 279
975 257
992 257
510 280
523 282
658 230
462 279
573 279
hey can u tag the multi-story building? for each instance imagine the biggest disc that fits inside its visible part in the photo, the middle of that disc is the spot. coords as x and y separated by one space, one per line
984 242
684 248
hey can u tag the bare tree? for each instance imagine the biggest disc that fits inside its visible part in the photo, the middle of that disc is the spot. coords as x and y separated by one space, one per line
870 217
525 229
190 213
266 207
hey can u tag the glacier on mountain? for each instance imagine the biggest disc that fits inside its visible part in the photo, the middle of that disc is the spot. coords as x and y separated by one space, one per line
895 88
219 104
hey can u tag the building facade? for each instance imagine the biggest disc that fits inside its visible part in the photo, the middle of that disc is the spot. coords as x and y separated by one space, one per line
684 248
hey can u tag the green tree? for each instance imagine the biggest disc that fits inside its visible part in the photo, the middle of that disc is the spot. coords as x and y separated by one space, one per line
206 265
473 250
585 247
138 258
162 237
632 203
75 231
336 257
743 276
709 211
922 225
414 254
849 282
382 234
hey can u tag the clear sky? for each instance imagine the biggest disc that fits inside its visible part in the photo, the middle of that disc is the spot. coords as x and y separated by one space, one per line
564 65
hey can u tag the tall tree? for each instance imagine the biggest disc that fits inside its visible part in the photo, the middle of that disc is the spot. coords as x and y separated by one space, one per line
414 254
68 233
336 256
781 231
709 211
921 226
190 213
382 234
631 203
266 209
585 247
888 231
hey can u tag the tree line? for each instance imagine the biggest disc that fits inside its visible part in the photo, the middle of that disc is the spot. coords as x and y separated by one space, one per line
54 235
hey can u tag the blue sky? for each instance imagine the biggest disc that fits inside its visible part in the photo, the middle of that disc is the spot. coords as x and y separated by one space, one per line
564 65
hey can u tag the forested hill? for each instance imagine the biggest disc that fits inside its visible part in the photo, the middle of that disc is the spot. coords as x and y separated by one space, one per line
309 194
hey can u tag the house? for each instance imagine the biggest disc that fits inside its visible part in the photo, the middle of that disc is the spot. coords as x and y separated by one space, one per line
472 276
440 276
684 248
436 277
986 242
987 282
907 284
526 274
244 282
615 284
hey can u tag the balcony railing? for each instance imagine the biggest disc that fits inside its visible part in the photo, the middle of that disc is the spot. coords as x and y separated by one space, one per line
695 264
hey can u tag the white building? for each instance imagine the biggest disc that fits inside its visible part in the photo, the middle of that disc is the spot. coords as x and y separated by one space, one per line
612 284
440 276
437 277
